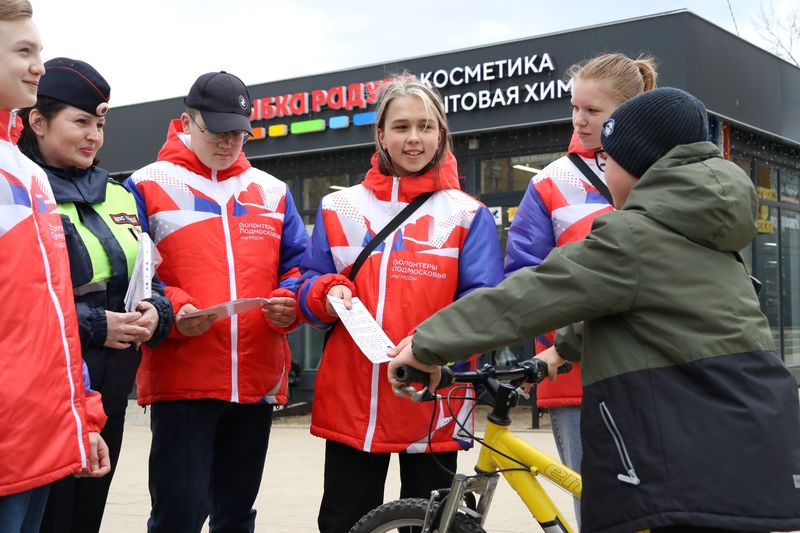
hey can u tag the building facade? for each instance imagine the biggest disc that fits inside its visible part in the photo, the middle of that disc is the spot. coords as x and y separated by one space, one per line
509 110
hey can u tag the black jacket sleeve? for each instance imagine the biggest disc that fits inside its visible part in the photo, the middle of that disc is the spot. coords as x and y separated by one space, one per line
92 325
165 314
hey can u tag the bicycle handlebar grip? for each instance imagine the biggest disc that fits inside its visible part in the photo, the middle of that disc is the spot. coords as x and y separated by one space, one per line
409 374
538 369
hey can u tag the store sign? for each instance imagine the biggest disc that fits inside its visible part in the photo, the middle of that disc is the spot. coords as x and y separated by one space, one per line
356 98
765 226
767 193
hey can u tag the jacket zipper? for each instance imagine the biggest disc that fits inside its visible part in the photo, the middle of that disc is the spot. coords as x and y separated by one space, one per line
373 405
73 394
232 285
12 120
608 420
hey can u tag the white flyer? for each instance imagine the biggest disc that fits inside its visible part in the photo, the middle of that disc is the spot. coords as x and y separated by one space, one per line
141 282
362 327
227 309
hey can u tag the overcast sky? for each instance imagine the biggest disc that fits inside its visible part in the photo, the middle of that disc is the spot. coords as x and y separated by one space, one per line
154 49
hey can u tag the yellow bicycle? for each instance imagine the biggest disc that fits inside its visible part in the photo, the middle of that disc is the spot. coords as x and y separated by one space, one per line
463 507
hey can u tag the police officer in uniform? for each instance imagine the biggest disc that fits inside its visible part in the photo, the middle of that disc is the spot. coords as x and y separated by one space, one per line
63 133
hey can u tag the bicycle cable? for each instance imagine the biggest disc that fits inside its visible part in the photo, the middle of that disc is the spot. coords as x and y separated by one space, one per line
462 427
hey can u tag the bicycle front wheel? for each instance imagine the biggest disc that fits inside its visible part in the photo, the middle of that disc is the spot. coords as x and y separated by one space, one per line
409 512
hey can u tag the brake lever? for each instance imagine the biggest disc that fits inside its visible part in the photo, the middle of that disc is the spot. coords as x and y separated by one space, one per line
422 395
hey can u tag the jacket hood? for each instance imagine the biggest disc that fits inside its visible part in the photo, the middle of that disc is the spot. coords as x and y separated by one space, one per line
444 176
575 147
176 150
695 192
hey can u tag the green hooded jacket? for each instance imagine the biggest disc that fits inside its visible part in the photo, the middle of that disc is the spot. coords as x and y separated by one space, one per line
684 395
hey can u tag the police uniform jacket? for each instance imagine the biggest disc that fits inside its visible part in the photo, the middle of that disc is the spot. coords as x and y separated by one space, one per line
100 228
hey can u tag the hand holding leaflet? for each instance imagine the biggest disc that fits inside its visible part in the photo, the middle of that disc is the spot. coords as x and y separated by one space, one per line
366 333
227 309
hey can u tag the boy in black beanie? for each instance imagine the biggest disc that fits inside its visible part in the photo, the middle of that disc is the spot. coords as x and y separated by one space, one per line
689 417
641 132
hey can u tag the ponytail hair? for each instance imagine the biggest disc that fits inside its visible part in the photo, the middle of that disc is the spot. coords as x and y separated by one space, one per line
627 77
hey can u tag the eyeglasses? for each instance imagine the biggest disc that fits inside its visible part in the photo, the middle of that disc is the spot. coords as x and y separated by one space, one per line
600 160
234 137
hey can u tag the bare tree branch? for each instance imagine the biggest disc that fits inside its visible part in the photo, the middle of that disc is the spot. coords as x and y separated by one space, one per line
780 30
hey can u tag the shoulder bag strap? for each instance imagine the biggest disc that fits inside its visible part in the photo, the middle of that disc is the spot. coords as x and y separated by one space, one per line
387 229
591 176
393 224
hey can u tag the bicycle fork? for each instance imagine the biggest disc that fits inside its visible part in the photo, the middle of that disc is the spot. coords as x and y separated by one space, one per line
440 514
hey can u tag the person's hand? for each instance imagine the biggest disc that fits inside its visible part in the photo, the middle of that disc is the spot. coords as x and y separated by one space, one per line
99 458
123 329
339 291
402 355
553 360
281 311
192 327
149 319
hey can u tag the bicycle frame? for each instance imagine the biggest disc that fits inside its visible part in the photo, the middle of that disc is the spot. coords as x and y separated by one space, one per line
524 483
499 446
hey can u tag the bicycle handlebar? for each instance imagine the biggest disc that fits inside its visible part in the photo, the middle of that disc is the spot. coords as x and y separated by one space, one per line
532 370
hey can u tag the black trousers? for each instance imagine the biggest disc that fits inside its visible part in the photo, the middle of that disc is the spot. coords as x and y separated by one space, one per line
207 458
76 505
354 482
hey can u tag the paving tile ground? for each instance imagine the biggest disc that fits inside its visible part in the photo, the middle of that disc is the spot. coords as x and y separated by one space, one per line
292 485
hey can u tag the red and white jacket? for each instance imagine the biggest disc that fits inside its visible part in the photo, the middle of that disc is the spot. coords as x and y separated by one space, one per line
222 235
45 415
444 250
558 208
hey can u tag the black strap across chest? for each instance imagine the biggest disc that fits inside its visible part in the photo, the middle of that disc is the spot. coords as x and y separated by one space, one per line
386 231
591 176
393 224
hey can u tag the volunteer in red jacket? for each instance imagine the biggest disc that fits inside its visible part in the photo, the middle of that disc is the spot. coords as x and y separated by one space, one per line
446 248
560 205
63 133
49 424
225 231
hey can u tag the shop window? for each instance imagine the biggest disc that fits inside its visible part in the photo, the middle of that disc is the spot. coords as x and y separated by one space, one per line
790 187
512 173
790 285
313 191
767 269
743 163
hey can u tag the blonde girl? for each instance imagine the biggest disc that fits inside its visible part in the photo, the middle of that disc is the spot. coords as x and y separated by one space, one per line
446 248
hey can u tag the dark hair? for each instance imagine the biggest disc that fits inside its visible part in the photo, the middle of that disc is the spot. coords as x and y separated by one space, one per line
28 142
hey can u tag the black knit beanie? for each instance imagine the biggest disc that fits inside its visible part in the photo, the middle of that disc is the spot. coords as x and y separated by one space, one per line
643 129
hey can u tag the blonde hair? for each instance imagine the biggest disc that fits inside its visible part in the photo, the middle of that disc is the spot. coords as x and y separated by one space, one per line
399 86
15 9
627 77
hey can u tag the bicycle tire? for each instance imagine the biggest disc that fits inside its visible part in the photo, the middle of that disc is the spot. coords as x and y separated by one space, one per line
407 512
